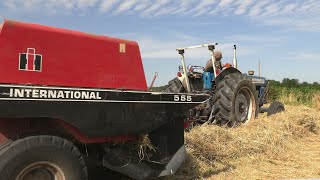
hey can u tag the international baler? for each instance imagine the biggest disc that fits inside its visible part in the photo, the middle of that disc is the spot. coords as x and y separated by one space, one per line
70 99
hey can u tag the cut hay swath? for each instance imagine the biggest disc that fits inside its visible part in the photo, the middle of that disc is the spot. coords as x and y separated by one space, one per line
285 145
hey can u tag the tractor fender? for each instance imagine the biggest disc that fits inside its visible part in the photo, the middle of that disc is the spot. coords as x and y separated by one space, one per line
225 72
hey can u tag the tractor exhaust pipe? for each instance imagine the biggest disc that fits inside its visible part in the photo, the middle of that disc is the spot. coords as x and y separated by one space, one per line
235 63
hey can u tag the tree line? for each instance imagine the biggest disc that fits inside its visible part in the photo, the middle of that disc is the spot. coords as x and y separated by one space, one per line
287 82
291 91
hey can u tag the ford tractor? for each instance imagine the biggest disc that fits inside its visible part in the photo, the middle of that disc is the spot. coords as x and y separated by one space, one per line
236 98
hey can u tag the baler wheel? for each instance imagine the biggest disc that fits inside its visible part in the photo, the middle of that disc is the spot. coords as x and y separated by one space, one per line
235 101
42 158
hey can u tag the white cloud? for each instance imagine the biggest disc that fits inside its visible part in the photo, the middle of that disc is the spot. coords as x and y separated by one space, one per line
271 10
106 5
155 6
300 24
303 56
254 38
202 7
52 5
183 6
243 7
140 5
289 8
86 3
225 3
309 6
258 8
165 11
124 6
48 5
223 7
297 15
152 48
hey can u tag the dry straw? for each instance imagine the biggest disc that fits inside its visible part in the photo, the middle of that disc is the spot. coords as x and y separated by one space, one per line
266 148
316 101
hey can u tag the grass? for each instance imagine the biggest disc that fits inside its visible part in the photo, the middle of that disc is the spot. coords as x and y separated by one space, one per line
300 95
285 145
298 98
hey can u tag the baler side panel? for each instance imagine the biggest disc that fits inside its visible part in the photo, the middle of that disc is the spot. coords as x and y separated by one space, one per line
97 113
69 58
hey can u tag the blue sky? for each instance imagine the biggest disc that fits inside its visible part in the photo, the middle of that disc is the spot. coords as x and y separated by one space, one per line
284 35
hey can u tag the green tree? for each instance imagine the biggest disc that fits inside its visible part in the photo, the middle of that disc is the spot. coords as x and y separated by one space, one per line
274 83
290 82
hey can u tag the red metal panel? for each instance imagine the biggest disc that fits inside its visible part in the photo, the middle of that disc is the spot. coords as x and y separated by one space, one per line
69 58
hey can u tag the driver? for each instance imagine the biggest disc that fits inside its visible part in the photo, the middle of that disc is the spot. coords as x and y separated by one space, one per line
219 66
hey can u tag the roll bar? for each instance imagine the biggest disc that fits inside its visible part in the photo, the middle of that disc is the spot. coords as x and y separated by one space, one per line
211 47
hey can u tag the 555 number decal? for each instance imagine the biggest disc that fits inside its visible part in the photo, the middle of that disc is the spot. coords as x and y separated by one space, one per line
182 98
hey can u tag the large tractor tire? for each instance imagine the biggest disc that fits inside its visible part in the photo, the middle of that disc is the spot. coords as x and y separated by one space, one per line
175 86
42 158
235 101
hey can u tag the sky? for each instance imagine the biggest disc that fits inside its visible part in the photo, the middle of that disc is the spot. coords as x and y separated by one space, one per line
283 35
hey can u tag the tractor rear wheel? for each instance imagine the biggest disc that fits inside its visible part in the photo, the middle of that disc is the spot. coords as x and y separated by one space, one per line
42 158
235 101
175 86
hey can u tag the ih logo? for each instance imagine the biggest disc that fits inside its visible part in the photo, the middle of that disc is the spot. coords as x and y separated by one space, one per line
30 61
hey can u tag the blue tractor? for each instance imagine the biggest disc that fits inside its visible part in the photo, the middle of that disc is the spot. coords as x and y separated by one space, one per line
236 98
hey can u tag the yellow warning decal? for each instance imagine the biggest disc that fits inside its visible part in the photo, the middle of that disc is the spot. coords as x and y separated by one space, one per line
122 48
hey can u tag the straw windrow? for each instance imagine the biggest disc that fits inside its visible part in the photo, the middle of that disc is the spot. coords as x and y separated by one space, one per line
272 147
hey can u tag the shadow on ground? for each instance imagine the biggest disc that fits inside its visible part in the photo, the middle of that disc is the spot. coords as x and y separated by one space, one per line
102 173
191 169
